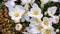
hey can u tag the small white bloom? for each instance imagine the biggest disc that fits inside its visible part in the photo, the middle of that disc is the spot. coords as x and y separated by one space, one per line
48 31
55 19
10 4
52 11
35 21
46 22
16 13
27 1
18 27
35 11
36 29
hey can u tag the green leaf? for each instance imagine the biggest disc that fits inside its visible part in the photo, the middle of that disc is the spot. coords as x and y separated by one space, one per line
1 6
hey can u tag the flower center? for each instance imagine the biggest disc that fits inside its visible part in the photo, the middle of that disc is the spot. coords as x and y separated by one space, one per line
37 21
40 28
35 12
46 22
47 31
16 14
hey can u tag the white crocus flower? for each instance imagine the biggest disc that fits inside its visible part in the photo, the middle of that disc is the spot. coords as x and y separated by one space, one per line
35 29
46 22
18 27
52 11
35 21
16 13
27 1
55 19
25 15
48 30
35 11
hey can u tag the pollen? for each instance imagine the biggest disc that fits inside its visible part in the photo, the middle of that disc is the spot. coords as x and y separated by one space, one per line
16 14
47 31
37 21
40 28
46 22
35 12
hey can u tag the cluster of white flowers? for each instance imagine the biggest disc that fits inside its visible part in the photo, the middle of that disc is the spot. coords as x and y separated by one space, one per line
20 13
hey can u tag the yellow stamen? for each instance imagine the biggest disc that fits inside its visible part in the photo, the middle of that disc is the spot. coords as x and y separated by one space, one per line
46 22
37 21
35 12
47 31
16 14
40 28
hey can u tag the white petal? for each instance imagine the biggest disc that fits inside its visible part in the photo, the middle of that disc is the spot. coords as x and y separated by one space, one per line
27 1
53 32
52 10
28 29
32 25
15 20
51 20
34 5
23 19
40 16
10 4
26 6
27 18
45 18
34 30
55 0
55 19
